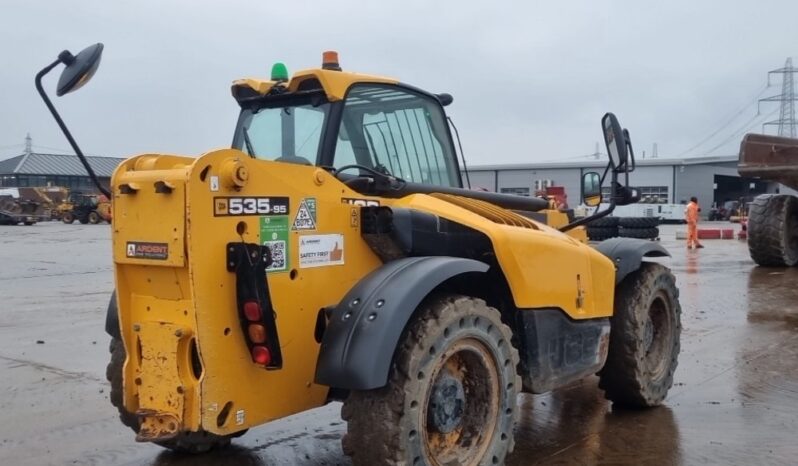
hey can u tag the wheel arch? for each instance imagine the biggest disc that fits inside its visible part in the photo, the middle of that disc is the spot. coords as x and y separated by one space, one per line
628 254
364 329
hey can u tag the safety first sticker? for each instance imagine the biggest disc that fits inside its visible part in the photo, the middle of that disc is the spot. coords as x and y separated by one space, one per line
306 215
321 250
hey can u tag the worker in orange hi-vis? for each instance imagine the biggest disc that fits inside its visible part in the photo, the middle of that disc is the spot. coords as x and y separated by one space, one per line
691 216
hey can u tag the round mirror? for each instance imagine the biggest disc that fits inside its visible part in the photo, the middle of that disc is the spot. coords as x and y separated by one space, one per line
79 69
614 139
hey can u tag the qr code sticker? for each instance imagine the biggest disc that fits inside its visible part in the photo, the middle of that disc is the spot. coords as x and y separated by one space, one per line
278 254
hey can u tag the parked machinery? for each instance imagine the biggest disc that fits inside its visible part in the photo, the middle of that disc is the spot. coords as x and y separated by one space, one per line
772 218
85 208
333 254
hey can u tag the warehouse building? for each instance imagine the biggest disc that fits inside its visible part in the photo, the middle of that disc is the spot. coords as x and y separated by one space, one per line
38 170
659 180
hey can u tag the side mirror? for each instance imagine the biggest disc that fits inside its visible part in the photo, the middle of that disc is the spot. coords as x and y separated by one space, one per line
79 68
615 142
591 189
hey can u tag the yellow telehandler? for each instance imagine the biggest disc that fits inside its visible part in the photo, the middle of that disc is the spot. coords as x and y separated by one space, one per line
332 253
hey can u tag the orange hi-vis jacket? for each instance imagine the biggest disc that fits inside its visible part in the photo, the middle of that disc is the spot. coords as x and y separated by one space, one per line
691 213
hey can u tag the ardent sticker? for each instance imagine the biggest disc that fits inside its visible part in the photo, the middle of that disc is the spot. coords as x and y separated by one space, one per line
144 250
321 250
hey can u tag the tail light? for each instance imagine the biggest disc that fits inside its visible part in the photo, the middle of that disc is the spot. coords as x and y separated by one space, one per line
257 333
255 311
261 355
252 311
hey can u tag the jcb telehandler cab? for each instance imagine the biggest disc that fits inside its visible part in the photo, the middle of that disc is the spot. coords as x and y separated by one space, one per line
333 254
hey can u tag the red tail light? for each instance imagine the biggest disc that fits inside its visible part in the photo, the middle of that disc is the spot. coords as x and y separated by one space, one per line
252 311
261 355
257 333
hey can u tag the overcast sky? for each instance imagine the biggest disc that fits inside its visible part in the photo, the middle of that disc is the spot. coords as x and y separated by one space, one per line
530 80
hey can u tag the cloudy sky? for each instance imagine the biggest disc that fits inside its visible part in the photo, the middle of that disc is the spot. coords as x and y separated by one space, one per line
530 79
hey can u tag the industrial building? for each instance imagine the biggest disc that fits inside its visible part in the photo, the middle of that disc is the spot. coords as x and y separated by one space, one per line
660 180
35 169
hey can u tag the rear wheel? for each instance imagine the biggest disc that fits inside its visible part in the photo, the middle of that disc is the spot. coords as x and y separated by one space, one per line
94 217
68 217
451 394
644 338
773 230
188 442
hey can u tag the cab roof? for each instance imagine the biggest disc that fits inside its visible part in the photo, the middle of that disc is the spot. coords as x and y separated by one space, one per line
334 84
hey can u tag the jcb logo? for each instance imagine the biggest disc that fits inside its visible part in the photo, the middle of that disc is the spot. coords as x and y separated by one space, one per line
223 206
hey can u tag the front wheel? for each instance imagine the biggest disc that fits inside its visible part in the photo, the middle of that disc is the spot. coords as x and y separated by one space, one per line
94 218
186 442
644 338
68 218
451 394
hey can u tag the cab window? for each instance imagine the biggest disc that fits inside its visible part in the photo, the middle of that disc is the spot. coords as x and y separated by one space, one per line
396 131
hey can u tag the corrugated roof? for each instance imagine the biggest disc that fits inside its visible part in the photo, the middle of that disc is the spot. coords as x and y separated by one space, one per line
594 163
57 164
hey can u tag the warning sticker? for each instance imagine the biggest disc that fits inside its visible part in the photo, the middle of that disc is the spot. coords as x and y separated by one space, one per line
274 235
321 250
141 250
306 215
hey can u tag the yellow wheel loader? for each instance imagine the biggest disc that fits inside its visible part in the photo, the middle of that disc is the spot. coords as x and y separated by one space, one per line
332 253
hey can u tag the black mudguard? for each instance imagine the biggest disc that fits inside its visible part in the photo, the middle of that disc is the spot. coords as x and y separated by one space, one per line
628 254
112 318
364 329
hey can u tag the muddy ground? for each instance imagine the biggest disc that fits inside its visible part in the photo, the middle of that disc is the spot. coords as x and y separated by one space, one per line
735 399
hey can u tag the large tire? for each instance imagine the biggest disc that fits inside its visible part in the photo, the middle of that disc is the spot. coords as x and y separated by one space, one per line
94 217
638 222
451 393
604 222
186 442
68 218
773 230
644 338
601 233
642 233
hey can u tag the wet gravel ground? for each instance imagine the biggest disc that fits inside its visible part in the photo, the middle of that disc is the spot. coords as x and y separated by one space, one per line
735 398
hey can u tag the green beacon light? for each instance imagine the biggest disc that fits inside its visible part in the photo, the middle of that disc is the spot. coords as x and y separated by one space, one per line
279 72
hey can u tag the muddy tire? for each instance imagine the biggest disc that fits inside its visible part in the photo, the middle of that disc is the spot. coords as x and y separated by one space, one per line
94 218
451 393
186 442
773 230
68 218
644 338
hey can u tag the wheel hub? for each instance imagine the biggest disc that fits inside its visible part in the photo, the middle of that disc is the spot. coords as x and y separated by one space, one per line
446 404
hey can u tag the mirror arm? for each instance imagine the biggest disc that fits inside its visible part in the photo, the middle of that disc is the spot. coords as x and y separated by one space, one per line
64 129
597 215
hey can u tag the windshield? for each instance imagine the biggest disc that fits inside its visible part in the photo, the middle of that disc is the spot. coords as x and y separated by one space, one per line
289 132
396 131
